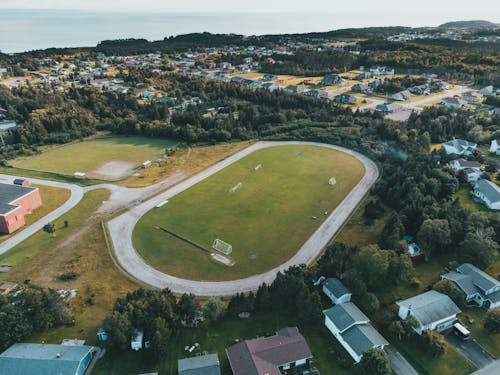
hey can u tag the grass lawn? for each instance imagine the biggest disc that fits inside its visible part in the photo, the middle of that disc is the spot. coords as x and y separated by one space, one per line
79 248
266 220
466 200
52 198
491 342
216 338
88 155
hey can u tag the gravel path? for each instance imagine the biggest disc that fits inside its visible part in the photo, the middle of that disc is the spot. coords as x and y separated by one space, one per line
121 229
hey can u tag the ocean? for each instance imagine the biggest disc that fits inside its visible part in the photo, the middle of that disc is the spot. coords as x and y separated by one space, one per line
24 30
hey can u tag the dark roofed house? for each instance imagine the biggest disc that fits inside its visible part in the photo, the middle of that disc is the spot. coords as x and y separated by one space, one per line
332 79
336 291
345 99
353 330
459 164
200 365
45 359
477 285
272 355
432 310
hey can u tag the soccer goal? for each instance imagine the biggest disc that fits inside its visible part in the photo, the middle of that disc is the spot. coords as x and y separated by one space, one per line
236 187
222 246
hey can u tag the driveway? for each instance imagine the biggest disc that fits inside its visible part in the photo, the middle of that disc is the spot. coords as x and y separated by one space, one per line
470 349
74 199
491 369
399 363
121 230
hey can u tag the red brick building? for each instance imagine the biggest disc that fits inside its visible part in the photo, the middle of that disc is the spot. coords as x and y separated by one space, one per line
15 202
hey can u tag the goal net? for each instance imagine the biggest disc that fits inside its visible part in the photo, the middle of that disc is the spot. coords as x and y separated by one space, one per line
222 246
236 187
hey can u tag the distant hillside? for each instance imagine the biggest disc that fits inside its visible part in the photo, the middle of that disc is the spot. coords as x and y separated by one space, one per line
477 24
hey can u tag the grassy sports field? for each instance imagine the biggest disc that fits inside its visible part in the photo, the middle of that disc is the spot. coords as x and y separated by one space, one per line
89 155
266 220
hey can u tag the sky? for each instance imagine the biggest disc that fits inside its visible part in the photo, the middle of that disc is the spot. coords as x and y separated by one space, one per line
451 9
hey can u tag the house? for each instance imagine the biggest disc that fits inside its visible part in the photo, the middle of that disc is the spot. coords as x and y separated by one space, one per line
471 174
401 96
459 147
487 91
489 193
336 291
293 89
432 310
477 285
331 79
362 88
146 95
353 330
270 86
376 83
459 164
495 147
420 90
272 355
471 96
345 99
136 341
200 365
15 202
453 103
381 70
388 107
364 75
46 359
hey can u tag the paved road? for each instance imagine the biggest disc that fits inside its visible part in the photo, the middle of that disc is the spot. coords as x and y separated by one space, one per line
470 349
491 369
399 363
76 196
121 229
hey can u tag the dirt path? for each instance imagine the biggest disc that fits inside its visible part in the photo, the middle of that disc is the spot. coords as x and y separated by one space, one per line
121 229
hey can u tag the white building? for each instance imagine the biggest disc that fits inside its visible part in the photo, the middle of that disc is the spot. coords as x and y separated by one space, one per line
489 193
495 147
459 147
136 342
336 291
459 164
432 310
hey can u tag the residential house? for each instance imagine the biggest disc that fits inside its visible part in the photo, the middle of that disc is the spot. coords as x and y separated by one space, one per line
364 75
270 86
495 147
432 310
477 285
353 330
273 355
336 291
381 70
487 91
46 359
376 83
420 90
471 174
136 341
345 99
459 147
362 88
388 107
16 201
146 95
269 77
455 103
294 89
332 79
401 96
200 365
471 96
489 193
459 164
7 124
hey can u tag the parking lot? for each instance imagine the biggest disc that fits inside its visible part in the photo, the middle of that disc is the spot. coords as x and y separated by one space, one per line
470 349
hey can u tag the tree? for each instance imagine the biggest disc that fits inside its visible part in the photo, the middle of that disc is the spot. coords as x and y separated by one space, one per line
479 250
434 343
376 362
160 335
49 228
371 264
213 309
451 290
188 307
492 320
400 268
434 234
369 302
393 232
396 329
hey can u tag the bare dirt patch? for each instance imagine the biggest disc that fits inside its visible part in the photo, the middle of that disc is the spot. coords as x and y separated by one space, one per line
114 170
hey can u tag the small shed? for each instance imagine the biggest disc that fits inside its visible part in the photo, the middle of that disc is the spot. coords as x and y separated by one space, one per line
336 291
146 164
136 342
79 175
21 182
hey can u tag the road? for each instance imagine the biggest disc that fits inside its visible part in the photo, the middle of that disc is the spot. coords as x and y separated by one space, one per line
76 195
491 369
399 363
470 349
121 230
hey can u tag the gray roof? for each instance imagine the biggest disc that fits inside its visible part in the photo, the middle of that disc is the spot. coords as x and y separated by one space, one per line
10 193
490 190
468 164
480 278
201 365
362 337
42 359
463 281
460 144
6 208
430 307
345 315
336 287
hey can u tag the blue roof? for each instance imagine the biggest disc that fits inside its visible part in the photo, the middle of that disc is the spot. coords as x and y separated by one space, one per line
336 287
362 337
345 315
42 359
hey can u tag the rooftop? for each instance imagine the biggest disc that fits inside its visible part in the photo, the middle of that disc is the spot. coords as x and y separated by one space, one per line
200 365
490 190
362 337
336 287
345 315
480 278
10 193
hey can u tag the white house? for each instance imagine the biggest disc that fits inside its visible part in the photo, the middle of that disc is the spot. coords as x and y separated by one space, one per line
453 103
432 310
459 147
489 193
471 174
136 342
336 291
478 286
459 164
495 147
353 330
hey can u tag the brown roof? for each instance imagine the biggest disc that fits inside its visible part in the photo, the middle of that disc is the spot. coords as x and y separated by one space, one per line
263 356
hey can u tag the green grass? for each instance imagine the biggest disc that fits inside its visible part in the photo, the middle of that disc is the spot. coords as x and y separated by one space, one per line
88 155
216 338
466 200
491 342
266 220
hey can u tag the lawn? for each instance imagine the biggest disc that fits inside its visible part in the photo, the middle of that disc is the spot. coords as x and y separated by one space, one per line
266 220
491 342
88 155
216 338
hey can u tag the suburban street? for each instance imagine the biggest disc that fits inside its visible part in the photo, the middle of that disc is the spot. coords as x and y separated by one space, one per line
121 230
399 363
